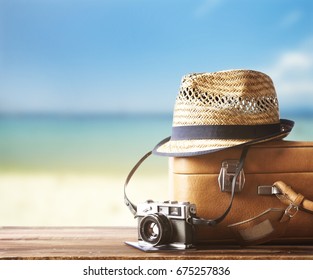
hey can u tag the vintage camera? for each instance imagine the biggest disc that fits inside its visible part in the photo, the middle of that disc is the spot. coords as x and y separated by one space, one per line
166 224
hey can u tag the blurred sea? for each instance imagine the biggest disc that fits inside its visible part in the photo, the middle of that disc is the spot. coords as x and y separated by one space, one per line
106 144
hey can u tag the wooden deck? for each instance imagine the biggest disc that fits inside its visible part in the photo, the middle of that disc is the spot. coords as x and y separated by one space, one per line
68 243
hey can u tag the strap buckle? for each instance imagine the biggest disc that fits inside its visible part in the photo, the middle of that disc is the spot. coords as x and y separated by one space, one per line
291 210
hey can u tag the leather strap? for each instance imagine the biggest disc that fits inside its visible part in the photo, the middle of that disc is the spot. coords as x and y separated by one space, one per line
132 207
197 221
289 196
213 222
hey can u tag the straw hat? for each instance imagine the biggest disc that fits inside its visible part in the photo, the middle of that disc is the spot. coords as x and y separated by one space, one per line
215 111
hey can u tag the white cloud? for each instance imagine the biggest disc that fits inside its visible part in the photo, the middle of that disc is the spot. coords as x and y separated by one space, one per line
295 60
292 74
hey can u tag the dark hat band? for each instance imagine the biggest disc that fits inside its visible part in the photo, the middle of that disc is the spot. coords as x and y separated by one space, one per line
224 131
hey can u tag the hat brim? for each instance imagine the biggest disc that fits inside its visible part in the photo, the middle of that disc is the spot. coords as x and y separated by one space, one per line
194 147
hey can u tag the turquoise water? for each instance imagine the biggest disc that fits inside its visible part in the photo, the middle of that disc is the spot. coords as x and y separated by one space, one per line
107 144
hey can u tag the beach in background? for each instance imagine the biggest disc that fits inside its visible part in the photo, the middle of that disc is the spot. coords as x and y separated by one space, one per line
88 87
70 170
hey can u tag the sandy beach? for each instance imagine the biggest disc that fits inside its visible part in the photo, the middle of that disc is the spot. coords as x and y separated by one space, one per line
72 199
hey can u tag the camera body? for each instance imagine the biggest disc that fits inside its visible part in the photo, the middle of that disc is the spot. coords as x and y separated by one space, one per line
167 223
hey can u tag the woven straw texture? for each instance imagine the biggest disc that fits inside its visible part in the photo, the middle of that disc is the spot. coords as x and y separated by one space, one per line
227 97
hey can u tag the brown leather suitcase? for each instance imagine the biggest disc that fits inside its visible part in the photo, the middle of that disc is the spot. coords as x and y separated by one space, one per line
259 212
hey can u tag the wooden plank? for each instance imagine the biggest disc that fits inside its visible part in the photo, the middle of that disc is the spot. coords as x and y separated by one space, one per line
108 243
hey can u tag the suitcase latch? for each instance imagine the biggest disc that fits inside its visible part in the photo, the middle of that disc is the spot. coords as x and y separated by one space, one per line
227 173
268 190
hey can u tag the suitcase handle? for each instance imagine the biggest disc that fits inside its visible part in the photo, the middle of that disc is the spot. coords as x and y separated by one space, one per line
288 196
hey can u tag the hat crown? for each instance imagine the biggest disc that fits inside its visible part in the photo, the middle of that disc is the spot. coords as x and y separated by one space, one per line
233 97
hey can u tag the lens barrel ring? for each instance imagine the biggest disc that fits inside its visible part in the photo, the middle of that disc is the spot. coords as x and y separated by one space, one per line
156 229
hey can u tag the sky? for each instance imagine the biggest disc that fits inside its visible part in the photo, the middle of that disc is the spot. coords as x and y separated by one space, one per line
99 56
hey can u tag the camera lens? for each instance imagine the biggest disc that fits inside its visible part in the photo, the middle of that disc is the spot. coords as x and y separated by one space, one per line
156 229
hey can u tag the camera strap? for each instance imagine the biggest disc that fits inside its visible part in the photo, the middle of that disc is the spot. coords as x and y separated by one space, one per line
196 220
132 207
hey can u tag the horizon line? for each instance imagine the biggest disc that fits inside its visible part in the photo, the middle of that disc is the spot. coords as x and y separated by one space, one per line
307 112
